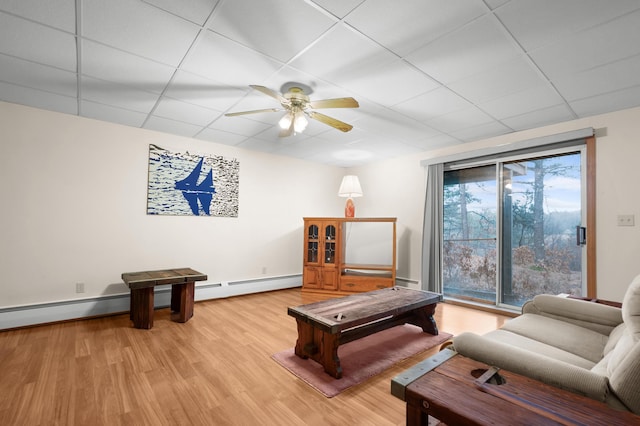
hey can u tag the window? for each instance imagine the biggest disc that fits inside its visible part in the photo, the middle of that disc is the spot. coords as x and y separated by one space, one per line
500 229
509 230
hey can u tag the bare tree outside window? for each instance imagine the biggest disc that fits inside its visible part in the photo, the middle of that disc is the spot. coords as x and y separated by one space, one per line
541 207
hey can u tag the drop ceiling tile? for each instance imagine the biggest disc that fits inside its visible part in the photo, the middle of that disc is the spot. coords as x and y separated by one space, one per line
494 4
361 55
342 55
219 136
262 26
117 95
239 126
482 131
300 149
432 104
434 142
458 120
388 147
59 14
260 145
37 98
411 24
347 157
596 46
114 65
476 47
28 74
512 76
610 77
220 59
138 28
196 11
206 93
542 22
171 126
37 43
539 118
339 8
608 102
334 138
112 114
518 103
185 112
391 83
391 124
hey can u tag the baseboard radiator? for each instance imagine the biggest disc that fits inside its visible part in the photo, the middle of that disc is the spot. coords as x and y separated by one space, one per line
29 315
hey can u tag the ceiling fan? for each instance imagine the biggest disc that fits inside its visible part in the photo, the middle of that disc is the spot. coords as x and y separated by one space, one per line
298 106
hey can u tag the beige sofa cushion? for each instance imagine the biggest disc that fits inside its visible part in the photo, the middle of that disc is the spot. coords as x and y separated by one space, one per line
631 330
576 340
594 316
614 337
624 380
631 308
532 345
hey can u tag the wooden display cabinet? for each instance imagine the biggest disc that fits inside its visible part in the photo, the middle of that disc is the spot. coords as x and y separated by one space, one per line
321 254
327 263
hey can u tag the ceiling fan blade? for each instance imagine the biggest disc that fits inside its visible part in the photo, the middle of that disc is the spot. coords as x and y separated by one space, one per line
340 125
335 103
269 92
255 111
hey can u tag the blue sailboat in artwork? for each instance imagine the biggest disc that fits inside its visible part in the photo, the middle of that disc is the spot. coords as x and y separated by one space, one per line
192 191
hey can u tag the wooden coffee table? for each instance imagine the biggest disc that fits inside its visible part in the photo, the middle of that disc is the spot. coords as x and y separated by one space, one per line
461 391
323 326
141 284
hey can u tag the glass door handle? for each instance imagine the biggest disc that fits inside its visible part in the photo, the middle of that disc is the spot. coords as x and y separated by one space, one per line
581 235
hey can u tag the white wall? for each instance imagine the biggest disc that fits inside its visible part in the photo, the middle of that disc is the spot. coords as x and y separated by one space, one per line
73 206
396 188
73 210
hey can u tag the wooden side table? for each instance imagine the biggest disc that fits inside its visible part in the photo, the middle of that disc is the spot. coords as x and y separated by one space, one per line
141 284
461 391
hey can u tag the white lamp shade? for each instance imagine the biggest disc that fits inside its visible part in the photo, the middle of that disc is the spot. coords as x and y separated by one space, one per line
350 187
299 122
285 122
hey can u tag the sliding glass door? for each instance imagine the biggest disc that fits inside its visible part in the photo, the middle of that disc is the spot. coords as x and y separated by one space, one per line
513 229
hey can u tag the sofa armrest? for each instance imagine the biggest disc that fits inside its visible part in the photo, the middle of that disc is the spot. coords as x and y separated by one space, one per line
594 316
539 367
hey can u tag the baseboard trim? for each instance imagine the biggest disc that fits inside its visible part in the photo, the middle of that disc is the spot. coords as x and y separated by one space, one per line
30 315
409 283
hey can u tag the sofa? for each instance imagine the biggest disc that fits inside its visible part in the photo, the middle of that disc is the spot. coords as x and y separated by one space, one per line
587 348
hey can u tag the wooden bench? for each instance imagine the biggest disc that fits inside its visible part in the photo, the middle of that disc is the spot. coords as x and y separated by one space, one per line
323 326
461 391
141 284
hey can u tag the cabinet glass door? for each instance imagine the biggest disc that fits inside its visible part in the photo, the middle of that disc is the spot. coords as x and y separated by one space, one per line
330 244
312 243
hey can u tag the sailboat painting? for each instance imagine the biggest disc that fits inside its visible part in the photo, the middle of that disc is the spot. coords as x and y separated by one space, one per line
193 185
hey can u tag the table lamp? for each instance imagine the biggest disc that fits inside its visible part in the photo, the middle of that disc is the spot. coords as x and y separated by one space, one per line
350 188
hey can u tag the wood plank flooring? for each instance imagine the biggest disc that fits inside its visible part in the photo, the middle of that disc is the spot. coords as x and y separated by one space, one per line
216 369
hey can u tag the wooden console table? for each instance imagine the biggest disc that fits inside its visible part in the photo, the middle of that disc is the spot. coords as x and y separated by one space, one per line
461 391
142 284
323 326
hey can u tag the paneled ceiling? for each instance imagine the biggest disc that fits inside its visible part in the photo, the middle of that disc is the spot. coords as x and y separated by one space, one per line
427 73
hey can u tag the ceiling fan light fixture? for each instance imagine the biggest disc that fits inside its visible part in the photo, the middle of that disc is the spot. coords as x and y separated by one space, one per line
298 107
300 122
285 122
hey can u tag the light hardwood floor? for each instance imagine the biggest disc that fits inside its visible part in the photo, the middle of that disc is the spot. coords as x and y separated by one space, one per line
216 369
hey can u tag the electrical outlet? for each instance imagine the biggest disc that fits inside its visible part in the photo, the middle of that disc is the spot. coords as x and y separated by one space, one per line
79 287
626 220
